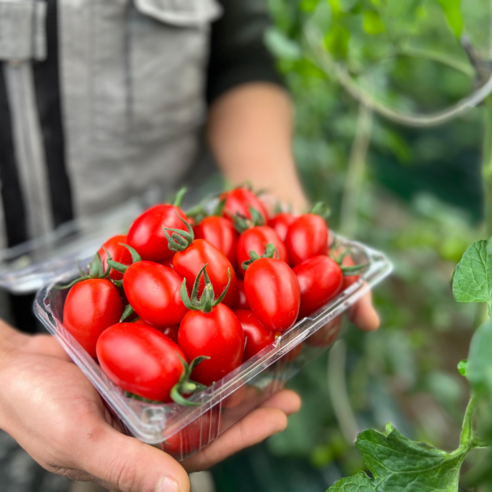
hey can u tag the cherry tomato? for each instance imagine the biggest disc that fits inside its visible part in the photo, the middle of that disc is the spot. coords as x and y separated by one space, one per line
327 334
168 262
140 360
273 293
194 436
307 237
320 279
257 336
218 335
117 253
170 332
256 239
147 236
189 262
239 201
153 292
221 233
241 301
91 307
281 223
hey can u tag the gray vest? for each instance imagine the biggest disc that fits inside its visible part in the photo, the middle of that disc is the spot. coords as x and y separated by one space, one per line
132 84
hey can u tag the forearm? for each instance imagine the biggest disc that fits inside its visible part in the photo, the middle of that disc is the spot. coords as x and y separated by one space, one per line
250 133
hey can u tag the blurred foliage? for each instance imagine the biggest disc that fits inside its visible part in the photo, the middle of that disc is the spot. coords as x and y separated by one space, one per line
420 201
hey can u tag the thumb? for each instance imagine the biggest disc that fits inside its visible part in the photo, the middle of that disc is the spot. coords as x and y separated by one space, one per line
123 463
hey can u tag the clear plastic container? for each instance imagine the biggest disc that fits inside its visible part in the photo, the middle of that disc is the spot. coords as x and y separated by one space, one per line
181 431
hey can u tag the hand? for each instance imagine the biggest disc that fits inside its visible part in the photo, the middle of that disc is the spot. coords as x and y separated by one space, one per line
57 416
363 314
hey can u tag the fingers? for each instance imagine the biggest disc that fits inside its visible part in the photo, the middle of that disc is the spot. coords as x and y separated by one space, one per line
252 429
261 423
285 400
45 345
363 314
122 463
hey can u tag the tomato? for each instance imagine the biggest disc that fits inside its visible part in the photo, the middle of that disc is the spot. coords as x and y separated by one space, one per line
140 360
221 233
91 307
320 279
281 223
153 291
241 301
256 239
273 293
189 262
216 334
147 235
257 336
117 252
307 237
236 398
168 262
239 201
197 434
170 331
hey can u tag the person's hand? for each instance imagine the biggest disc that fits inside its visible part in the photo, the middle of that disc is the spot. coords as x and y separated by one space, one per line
363 314
56 415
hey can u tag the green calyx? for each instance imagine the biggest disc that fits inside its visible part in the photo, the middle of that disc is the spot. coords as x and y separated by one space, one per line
179 240
185 386
119 266
207 300
270 252
96 271
348 270
242 223
321 209
127 312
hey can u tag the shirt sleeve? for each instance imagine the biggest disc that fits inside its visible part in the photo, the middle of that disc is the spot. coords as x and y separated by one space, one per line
237 52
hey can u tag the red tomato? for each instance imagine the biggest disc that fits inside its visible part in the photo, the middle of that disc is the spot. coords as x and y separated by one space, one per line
197 434
91 306
307 237
147 236
117 252
349 280
281 223
153 292
320 279
327 334
170 332
257 336
256 239
218 335
239 201
140 360
168 262
241 301
189 262
221 233
273 293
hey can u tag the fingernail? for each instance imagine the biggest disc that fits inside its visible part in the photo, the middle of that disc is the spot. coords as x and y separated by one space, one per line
167 484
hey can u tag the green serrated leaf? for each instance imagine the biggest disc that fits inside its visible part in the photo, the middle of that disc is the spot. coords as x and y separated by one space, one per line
472 279
404 465
356 483
372 22
479 367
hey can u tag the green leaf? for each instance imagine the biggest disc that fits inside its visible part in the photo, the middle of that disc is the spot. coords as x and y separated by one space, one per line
399 464
373 23
453 15
309 5
337 41
479 367
356 483
472 279
281 46
463 367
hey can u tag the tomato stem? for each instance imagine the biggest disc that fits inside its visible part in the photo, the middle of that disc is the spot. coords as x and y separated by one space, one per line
179 197
179 240
185 385
270 252
128 311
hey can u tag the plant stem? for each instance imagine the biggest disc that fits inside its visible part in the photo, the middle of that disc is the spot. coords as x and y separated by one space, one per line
467 434
487 166
355 173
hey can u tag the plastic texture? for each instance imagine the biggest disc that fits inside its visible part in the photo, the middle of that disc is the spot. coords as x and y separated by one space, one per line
182 431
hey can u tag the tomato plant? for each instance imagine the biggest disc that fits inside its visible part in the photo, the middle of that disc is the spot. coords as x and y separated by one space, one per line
210 328
272 291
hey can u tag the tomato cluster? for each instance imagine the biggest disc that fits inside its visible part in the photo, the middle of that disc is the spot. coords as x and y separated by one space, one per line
183 300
